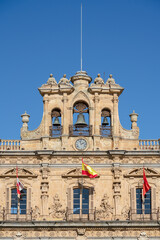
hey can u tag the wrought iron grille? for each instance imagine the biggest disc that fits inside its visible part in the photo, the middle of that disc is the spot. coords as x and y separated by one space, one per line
55 131
75 131
106 131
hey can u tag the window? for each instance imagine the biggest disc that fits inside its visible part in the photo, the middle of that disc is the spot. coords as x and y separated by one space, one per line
143 205
14 201
80 201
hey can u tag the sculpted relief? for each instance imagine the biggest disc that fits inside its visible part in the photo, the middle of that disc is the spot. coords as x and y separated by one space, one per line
56 211
105 211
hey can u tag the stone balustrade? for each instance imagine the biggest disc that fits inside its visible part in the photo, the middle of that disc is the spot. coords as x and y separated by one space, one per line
10 144
149 144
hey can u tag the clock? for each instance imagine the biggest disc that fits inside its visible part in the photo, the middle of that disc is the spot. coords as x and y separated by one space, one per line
81 144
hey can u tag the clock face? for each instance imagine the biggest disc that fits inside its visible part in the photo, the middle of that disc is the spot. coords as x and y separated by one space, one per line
81 144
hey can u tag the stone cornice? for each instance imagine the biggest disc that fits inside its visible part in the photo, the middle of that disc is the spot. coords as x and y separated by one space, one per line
78 153
63 225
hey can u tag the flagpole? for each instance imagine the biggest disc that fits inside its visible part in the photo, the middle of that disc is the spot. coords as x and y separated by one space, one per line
81 37
82 189
18 202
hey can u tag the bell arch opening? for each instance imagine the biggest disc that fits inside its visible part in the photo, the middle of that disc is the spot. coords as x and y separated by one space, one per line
80 125
105 128
56 128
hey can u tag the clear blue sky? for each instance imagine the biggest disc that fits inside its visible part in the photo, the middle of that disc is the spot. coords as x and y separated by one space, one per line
39 37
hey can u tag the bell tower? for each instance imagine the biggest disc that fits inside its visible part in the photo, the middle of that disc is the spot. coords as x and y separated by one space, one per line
81 116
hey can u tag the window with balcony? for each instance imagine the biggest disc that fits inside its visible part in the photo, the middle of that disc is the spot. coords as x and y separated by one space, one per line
22 202
143 203
80 201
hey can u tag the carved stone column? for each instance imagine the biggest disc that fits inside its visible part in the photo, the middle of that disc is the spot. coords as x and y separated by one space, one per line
117 191
96 121
65 119
44 189
46 124
45 138
65 122
115 124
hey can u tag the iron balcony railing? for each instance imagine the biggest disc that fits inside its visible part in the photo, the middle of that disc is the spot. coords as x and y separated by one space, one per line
55 131
81 215
75 131
105 131
13 215
144 214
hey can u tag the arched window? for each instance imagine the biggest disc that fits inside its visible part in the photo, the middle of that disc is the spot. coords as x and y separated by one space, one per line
22 202
80 201
143 204
56 128
105 128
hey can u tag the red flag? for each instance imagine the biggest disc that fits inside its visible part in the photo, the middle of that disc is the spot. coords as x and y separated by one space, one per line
146 186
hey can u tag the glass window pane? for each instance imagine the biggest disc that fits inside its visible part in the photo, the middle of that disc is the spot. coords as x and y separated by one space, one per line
76 201
85 201
147 202
139 200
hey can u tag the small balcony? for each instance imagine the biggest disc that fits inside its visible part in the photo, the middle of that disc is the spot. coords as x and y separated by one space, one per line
55 131
13 215
82 215
75 131
105 131
144 214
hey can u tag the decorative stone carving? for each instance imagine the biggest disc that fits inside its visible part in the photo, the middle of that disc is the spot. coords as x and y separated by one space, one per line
81 231
105 211
22 172
138 172
44 197
35 134
56 211
98 80
125 212
134 117
36 213
44 171
117 172
143 236
64 81
51 80
117 187
110 79
18 236
25 119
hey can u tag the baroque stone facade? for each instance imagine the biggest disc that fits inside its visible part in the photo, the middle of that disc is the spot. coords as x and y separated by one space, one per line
80 120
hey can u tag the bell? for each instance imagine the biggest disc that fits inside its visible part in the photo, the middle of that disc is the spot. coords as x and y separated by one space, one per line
56 122
80 121
105 122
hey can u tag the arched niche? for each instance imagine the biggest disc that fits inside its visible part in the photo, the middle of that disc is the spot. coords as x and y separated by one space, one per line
56 128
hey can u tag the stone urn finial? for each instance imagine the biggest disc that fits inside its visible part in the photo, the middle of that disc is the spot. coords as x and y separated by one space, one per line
134 117
25 119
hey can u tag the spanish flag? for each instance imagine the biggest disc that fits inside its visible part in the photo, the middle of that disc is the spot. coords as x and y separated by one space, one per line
88 171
